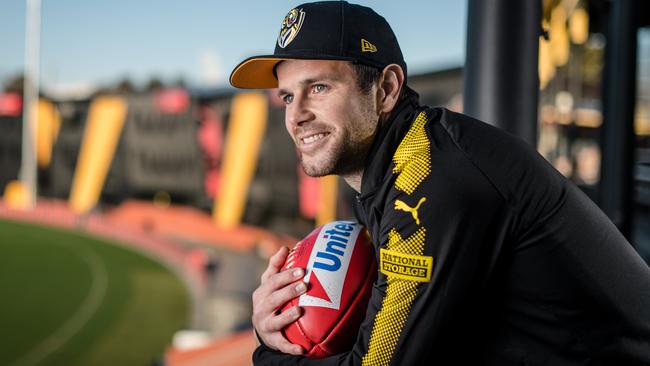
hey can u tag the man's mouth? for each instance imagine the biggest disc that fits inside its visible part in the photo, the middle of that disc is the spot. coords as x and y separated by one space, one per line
307 140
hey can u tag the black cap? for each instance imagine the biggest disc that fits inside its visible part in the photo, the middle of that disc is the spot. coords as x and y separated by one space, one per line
324 30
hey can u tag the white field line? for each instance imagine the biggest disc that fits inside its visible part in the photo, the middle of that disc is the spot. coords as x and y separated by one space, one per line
81 316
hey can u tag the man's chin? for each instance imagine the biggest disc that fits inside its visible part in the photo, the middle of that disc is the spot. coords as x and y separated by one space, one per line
317 170
316 173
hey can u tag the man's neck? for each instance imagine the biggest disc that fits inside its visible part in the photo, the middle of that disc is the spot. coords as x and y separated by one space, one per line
354 180
401 116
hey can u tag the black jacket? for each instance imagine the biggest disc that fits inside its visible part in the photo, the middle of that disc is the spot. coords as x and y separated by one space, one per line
487 256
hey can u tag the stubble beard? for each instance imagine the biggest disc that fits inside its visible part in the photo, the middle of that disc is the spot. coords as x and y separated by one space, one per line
345 158
341 159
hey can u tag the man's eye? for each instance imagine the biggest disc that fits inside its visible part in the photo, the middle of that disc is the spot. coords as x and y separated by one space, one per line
287 99
319 88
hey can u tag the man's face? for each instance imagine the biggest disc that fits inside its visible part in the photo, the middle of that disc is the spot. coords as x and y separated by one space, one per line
329 119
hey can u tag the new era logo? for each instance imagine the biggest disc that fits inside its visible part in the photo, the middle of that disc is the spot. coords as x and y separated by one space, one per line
367 46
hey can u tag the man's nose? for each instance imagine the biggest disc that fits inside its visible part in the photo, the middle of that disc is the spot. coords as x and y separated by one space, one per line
298 112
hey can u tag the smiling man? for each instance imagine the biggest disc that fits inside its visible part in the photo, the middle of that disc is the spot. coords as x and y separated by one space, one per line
331 122
526 270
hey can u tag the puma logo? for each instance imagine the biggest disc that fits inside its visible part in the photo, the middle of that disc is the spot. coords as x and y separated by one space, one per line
400 205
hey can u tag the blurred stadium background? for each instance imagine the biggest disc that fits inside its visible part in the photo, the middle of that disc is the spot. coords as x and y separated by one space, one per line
157 203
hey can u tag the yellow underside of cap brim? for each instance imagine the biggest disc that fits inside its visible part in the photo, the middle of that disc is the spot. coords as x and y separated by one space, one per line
255 73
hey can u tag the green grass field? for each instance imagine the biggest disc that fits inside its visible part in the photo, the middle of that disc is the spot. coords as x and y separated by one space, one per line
71 299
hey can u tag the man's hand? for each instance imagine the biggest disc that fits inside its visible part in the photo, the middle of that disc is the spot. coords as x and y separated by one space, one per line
275 290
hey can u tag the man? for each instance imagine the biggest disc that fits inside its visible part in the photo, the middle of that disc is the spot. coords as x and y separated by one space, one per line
526 269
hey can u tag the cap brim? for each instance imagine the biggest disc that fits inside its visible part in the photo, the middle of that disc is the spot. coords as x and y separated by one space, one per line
257 72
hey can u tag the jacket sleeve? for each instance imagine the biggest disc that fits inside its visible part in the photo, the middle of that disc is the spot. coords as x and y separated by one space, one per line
438 235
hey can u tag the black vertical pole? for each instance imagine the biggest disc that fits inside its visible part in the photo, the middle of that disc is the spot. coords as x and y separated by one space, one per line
619 94
501 79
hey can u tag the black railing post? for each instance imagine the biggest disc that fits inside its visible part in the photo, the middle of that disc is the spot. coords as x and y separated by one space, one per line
501 84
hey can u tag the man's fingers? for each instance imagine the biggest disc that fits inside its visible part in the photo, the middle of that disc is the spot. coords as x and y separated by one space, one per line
276 323
276 289
285 294
275 263
278 281
265 303
277 259
283 345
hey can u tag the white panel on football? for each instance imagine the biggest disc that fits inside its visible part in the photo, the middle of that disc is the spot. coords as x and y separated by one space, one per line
329 261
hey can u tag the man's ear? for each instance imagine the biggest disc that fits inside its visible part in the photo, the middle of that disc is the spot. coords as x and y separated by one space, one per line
391 82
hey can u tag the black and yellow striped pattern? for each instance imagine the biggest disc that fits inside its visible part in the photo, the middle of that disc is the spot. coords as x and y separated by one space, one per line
413 165
413 157
400 294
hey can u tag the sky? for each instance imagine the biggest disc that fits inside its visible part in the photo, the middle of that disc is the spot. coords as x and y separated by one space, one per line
92 42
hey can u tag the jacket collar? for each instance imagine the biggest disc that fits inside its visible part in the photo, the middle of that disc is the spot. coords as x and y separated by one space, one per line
389 135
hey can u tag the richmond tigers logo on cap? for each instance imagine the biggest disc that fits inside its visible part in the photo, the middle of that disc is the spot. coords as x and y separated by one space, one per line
290 27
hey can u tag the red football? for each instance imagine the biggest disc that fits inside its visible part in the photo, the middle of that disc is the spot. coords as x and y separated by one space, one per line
340 269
